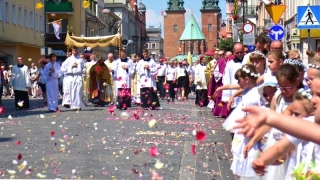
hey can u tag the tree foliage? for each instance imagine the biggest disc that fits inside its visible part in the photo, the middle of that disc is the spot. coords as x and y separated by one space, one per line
226 44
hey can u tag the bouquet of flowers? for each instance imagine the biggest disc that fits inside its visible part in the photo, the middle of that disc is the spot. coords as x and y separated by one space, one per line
301 172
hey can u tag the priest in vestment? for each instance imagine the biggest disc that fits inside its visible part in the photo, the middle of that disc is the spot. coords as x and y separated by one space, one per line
147 70
20 82
100 78
112 88
52 74
210 68
89 64
201 84
123 69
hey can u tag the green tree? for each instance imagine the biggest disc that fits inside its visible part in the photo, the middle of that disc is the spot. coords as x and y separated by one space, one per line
226 44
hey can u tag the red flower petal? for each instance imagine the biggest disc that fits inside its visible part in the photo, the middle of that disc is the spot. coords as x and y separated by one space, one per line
201 135
153 151
111 109
2 110
53 133
19 156
193 149
18 143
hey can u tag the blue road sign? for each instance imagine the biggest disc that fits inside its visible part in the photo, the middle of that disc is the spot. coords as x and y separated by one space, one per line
308 17
276 33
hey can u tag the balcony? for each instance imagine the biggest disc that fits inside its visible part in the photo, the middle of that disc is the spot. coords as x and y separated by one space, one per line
250 11
52 39
61 8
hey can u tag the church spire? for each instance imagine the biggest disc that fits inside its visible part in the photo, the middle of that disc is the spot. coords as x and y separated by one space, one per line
173 5
210 4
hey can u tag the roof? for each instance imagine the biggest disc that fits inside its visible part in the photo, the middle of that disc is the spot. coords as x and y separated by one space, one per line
153 29
192 31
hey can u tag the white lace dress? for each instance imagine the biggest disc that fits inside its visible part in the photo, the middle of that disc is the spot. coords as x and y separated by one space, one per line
276 172
243 166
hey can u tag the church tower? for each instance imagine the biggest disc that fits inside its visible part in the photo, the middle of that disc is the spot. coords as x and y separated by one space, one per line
174 24
211 22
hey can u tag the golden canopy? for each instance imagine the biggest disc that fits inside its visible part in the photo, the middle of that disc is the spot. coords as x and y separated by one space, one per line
98 41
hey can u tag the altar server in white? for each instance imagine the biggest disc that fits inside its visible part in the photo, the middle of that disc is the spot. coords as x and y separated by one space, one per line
52 74
67 80
147 69
20 82
201 83
123 68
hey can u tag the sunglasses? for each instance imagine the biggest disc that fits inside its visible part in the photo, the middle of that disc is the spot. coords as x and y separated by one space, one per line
288 88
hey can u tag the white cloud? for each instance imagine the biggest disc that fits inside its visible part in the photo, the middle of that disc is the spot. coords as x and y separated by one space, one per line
153 19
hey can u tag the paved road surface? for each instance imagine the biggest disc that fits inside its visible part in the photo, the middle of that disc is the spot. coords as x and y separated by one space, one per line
93 144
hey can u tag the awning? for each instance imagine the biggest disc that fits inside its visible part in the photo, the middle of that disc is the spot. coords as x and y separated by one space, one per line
92 42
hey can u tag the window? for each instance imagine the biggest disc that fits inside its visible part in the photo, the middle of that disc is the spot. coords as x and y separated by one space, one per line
41 24
1 9
31 20
26 18
147 46
175 28
7 12
210 27
153 45
20 16
37 22
14 14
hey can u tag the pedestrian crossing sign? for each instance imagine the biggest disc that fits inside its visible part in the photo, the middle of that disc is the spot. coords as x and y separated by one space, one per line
308 17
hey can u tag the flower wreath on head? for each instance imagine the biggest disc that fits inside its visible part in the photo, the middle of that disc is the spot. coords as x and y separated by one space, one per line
295 62
305 93
259 53
314 66
252 74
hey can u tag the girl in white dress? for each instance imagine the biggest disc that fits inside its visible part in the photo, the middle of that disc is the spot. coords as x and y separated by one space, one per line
288 84
241 166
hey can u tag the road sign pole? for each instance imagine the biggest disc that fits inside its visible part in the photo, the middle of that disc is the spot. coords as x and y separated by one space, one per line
308 44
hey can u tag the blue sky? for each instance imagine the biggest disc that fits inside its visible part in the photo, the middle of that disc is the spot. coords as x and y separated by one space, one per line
154 8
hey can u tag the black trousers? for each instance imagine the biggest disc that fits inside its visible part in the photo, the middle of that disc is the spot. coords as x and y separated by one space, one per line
123 102
149 98
171 93
21 96
160 87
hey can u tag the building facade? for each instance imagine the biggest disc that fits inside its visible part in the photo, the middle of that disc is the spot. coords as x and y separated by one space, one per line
155 42
174 24
211 23
22 29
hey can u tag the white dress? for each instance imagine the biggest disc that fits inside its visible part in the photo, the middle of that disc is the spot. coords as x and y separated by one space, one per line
52 86
243 166
276 172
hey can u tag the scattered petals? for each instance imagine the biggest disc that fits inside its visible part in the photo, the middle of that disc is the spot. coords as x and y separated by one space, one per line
158 164
124 116
53 133
42 116
9 117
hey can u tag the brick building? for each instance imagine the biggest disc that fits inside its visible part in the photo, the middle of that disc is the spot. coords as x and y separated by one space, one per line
174 24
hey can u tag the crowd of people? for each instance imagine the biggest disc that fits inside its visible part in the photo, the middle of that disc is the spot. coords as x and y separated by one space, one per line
249 89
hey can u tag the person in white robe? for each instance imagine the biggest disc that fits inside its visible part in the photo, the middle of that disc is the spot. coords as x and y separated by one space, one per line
137 80
109 63
123 68
20 82
52 74
76 68
67 80
147 70
200 79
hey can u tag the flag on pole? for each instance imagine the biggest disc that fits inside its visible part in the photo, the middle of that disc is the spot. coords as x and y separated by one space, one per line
162 13
56 27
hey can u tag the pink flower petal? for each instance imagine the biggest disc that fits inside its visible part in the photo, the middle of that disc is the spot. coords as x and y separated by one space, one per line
201 135
193 149
153 151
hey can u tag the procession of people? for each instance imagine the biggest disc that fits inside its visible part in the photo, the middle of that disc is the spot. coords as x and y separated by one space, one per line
238 85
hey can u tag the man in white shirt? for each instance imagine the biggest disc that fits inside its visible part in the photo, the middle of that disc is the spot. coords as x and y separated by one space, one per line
193 68
4 84
162 67
109 63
